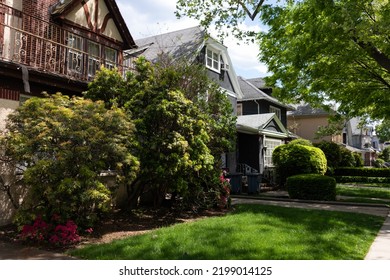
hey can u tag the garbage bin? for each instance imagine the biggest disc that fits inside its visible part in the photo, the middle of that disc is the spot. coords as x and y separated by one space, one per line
235 182
254 180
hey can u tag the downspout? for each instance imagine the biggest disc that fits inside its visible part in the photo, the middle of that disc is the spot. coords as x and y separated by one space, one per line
258 106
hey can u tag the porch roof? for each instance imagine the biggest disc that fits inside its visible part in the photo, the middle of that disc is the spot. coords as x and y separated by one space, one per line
262 124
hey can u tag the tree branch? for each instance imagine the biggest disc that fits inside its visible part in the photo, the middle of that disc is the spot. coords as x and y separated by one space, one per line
253 15
382 59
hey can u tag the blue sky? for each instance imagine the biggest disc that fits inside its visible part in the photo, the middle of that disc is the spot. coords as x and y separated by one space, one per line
153 17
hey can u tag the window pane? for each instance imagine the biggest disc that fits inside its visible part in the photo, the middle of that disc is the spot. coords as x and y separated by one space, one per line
93 58
111 58
75 56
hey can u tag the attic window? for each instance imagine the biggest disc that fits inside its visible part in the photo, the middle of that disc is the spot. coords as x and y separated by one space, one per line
277 111
213 60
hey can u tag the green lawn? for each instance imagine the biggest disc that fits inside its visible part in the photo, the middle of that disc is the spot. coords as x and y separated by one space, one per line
364 191
251 232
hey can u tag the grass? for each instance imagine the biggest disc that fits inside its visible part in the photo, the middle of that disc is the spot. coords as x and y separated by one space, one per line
365 191
251 232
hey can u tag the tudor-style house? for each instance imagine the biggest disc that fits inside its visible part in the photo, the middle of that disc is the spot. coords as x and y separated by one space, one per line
57 46
54 46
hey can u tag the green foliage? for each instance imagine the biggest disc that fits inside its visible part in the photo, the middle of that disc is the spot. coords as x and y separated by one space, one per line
362 179
226 17
383 130
321 51
303 142
378 163
64 143
358 159
347 158
366 172
311 187
332 152
385 154
293 159
180 136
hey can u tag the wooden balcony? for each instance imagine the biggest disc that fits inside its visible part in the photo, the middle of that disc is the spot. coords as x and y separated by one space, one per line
46 47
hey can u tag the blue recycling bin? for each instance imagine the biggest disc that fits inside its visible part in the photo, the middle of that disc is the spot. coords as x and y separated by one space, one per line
235 182
254 180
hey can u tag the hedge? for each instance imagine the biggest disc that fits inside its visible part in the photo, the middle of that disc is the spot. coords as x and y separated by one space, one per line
362 172
311 187
361 179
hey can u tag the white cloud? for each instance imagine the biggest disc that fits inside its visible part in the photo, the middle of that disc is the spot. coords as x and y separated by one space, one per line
153 17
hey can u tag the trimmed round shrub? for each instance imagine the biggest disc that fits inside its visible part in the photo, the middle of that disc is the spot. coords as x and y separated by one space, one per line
294 159
311 187
303 142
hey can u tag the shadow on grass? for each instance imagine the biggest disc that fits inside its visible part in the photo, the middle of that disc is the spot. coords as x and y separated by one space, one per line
251 232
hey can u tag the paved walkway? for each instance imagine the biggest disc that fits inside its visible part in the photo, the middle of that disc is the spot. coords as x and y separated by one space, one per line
380 249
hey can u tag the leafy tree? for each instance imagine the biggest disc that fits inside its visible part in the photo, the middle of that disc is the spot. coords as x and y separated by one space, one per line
180 136
317 50
331 50
63 145
383 131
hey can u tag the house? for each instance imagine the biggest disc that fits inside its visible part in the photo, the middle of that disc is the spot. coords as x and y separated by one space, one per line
305 121
196 46
359 137
57 46
261 127
54 46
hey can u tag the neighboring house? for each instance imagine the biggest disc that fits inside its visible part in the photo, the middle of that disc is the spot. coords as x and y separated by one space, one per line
261 125
54 46
305 121
360 138
57 46
194 45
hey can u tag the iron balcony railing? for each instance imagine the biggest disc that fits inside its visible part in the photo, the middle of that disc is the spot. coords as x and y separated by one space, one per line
45 46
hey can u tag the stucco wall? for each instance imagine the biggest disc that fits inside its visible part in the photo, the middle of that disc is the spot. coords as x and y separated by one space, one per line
307 128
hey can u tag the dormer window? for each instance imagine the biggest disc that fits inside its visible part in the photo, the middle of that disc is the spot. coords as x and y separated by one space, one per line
213 60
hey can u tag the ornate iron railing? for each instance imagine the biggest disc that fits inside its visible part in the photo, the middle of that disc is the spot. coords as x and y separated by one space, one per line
44 46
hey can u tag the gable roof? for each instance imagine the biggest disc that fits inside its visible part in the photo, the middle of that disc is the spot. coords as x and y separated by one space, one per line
261 124
308 110
251 92
185 43
65 6
258 83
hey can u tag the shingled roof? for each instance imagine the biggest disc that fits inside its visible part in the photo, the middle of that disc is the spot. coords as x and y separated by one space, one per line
185 43
252 92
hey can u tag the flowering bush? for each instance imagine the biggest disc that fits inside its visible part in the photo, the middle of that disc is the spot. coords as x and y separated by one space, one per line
224 197
54 232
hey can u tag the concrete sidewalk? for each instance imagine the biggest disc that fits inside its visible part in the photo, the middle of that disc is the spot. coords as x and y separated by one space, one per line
380 248
13 251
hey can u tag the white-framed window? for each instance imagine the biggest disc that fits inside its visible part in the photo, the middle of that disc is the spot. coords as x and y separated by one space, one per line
111 56
276 110
271 144
213 60
93 58
75 55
